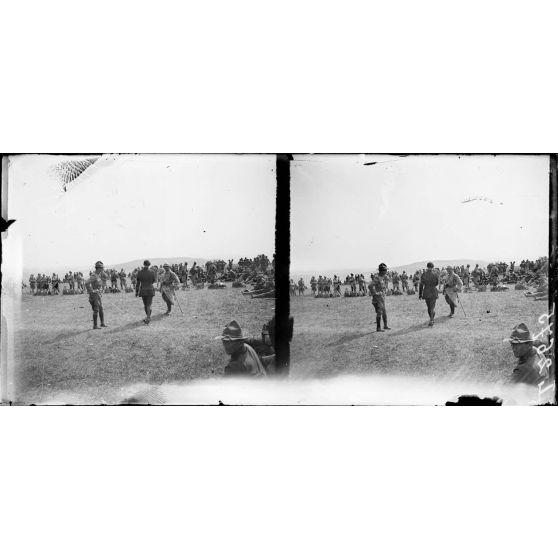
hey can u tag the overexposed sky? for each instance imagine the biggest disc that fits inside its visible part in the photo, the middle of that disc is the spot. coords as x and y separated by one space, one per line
407 209
127 207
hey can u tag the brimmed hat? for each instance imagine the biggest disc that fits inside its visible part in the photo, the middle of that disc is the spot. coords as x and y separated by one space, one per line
166 265
449 268
99 264
430 265
146 262
520 334
232 333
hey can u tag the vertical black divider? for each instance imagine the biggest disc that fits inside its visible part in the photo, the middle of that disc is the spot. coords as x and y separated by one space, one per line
283 333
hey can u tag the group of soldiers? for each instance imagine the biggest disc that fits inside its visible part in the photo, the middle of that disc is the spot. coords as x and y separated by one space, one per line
529 275
45 284
248 270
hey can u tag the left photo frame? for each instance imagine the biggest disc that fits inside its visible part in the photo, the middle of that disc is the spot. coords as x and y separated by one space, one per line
125 277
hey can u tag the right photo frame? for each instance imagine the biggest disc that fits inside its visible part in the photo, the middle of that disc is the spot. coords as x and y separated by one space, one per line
423 279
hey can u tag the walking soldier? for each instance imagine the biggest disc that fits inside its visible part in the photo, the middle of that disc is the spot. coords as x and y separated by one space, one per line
451 288
428 290
144 288
169 282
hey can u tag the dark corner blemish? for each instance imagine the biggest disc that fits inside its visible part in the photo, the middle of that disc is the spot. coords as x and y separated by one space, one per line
5 224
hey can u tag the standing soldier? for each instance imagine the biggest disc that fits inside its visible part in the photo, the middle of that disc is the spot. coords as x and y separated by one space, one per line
313 285
80 281
395 281
416 280
451 288
404 281
94 286
466 276
144 287
429 291
378 291
194 274
122 276
32 283
169 282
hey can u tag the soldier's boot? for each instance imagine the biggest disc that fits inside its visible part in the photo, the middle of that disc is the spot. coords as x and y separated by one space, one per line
102 316
378 324
385 322
95 326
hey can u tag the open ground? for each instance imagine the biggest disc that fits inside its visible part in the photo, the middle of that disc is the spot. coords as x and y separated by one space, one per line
57 351
60 358
335 336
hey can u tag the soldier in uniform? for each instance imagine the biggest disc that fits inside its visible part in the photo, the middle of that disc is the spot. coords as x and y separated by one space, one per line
466 276
531 367
428 291
404 281
169 282
144 287
452 286
122 276
194 274
395 281
94 286
313 284
378 291
32 283
244 361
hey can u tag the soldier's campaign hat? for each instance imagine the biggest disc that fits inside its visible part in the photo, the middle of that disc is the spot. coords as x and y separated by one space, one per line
232 333
520 334
166 265
99 264
146 262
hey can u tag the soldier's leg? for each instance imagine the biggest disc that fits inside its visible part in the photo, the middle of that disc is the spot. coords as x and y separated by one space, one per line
378 310
95 308
102 315
168 302
451 305
429 308
384 317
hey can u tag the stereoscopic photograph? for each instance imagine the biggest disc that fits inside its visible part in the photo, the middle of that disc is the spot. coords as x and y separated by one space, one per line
151 279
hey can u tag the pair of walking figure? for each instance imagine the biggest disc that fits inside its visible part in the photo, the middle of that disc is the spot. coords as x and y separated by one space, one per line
145 287
428 290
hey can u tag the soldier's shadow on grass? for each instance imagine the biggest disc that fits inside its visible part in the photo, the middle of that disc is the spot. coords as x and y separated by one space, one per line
348 338
418 327
134 325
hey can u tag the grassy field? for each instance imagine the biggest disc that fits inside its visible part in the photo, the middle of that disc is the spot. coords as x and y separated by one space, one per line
58 351
61 358
338 336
